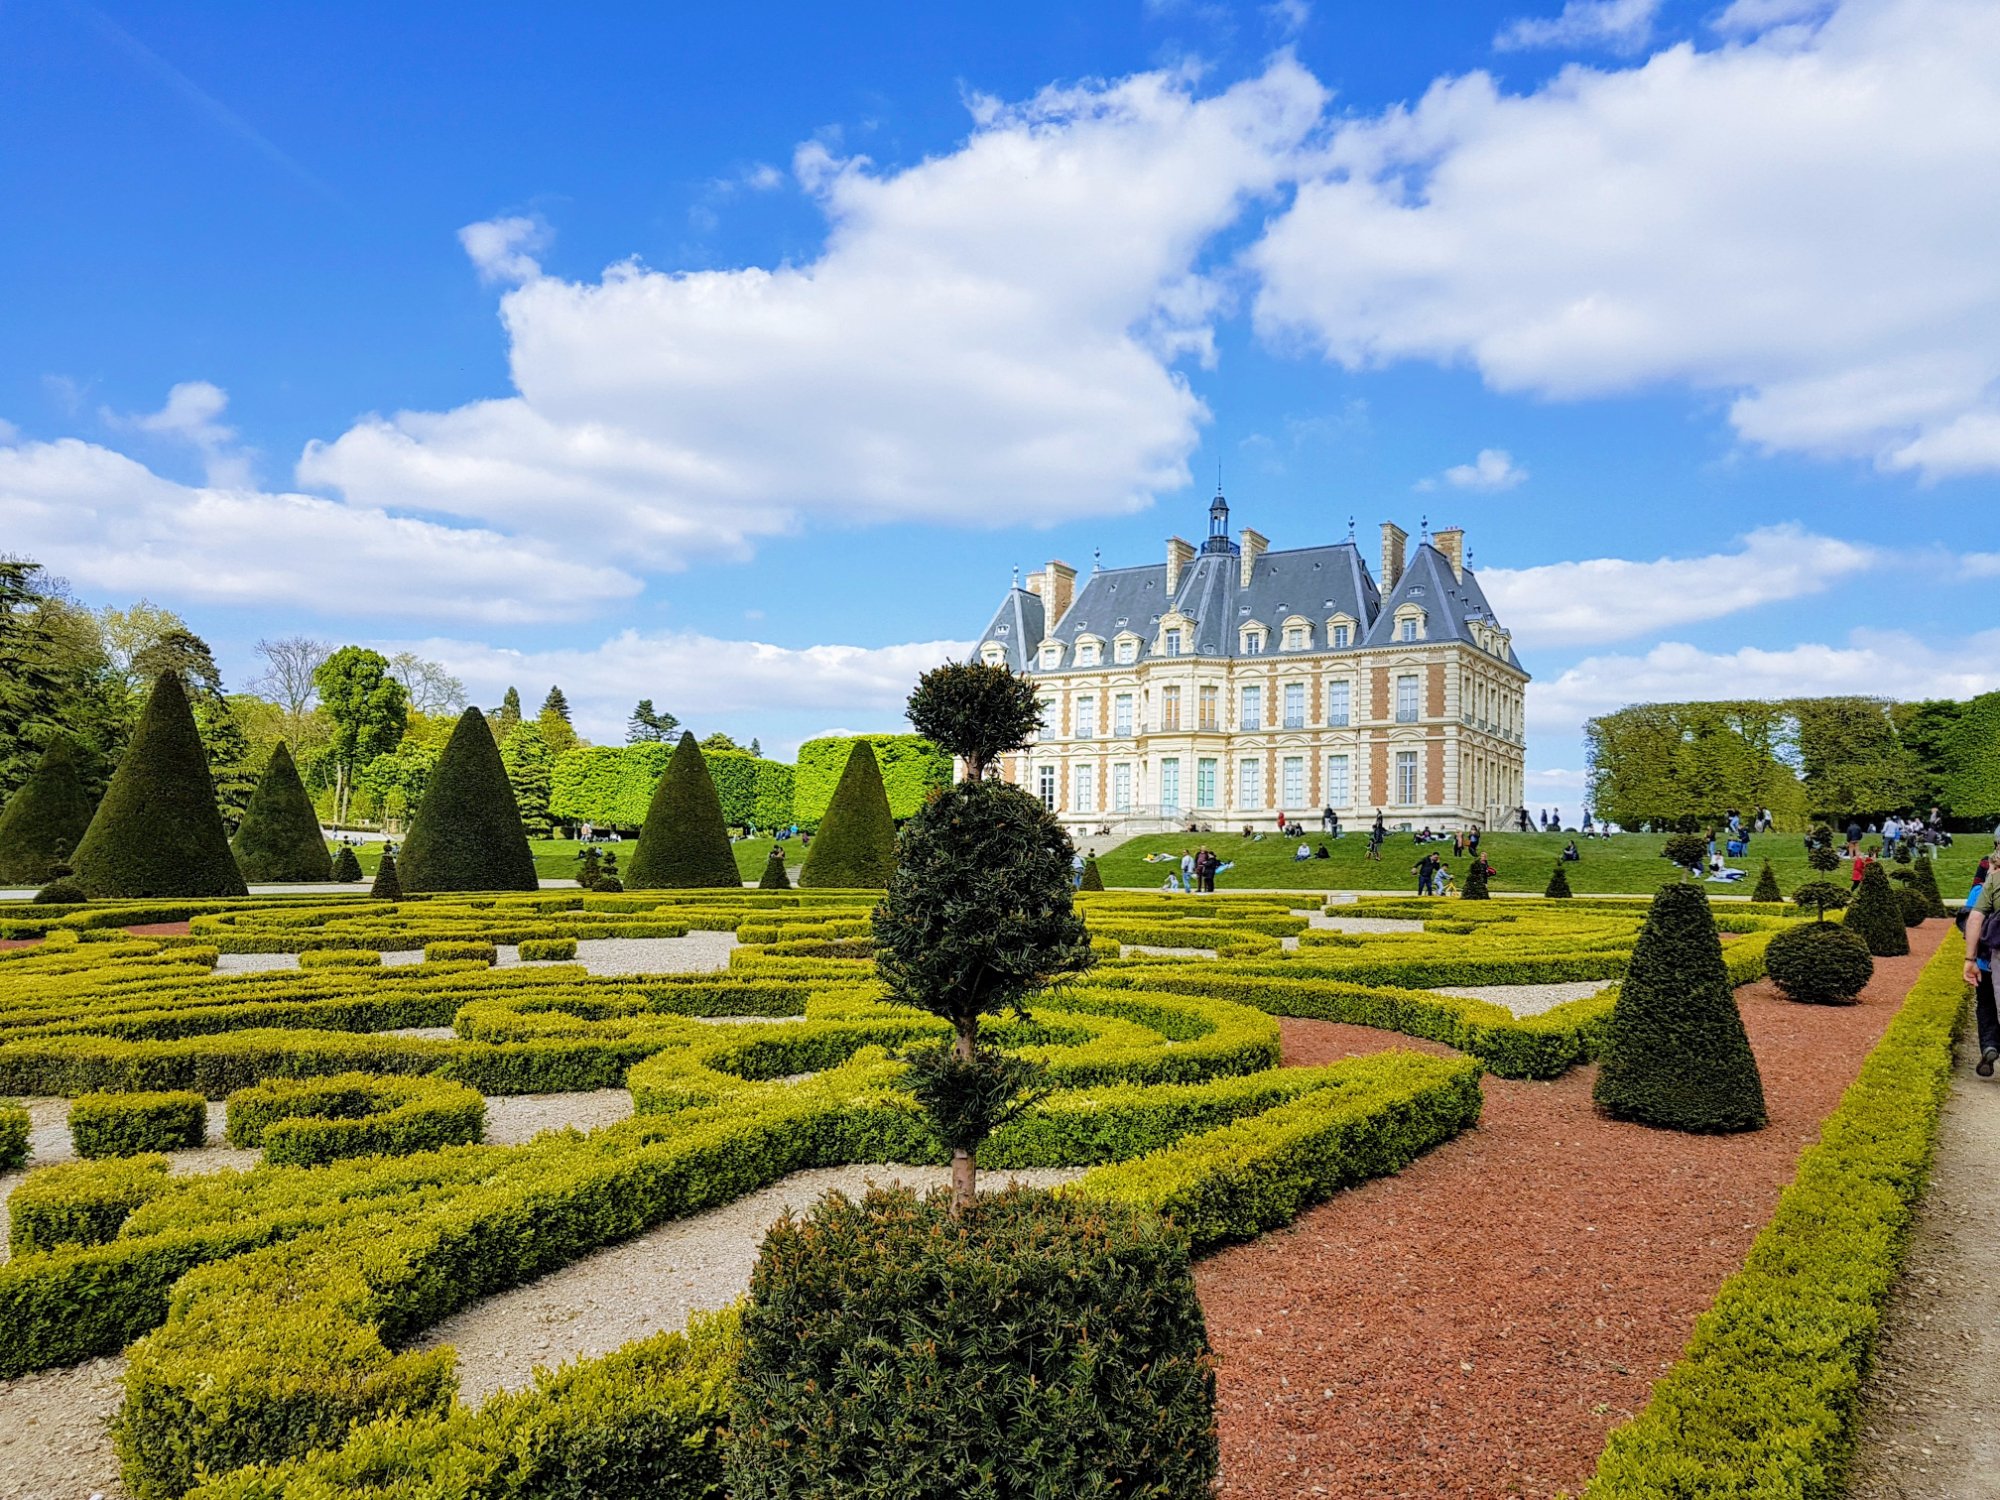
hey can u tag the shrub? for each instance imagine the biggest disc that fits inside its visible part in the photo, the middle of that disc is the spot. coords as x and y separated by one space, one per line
129 1124
467 833
1027 1346
1688 850
1820 963
609 885
306 1122
388 885
346 866
340 958
541 949
44 819
1558 886
1093 878
1478 874
855 848
13 1136
1819 897
61 892
158 832
1767 885
1876 916
1675 1054
467 950
774 877
279 838
684 844
81 1202
1915 904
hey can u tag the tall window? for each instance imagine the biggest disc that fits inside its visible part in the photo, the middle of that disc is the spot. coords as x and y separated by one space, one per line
1293 770
1406 778
1250 783
1339 788
1338 711
1170 785
1251 713
1295 705
1121 715
1406 699
1121 786
1340 634
1084 790
1174 642
1086 717
1204 782
1051 656
1045 786
1170 708
1206 703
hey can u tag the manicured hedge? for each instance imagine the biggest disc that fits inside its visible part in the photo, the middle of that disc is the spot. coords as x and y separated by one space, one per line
340 958
305 1122
132 1124
80 1203
535 950
611 785
45 818
467 833
911 766
461 952
13 1136
684 842
279 838
855 847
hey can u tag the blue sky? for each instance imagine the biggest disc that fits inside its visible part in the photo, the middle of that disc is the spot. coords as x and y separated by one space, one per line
734 358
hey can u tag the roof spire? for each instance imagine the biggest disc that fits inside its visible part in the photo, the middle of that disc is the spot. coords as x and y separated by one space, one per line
1097 559
1425 523
1017 575
1350 529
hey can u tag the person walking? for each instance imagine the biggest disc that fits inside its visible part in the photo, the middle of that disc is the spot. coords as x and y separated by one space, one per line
1980 914
1424 869
1326 819
1187 872
1076 870
1204 864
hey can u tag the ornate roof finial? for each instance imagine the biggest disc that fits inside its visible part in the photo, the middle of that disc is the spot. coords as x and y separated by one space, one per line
1017 575
1350 528
1097 559
1426 524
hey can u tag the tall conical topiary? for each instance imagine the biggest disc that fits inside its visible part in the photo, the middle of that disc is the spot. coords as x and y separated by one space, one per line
1093 878
158 831
44 821
279 838
1876 916
1558 886
774 877
388 885
684 844
1767 885
855 848
467 832
346 868
1675 1054
1477 876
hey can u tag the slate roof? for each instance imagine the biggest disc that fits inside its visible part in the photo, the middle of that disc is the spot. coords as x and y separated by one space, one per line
1017 625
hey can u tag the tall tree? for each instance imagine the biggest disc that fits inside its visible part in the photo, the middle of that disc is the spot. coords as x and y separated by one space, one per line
287 680
429 687
756 749
130 633
367 710
507 715
530 763
649 725
558 734
556 704
719 741
55 677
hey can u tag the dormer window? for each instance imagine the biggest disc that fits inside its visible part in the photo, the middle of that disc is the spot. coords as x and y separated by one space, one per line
1051 656
1406 630
1341 634
1251 640
1126 650
1409 624
1089 653
1295 638
993 654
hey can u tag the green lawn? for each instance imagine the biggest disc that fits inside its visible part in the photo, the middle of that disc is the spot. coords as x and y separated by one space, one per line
1630 863
555 859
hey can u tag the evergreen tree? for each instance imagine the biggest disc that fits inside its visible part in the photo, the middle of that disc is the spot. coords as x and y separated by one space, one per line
557 731
157 832
530 763
1477 876
1767 885
649 725
1093 878
774 877
976 711
279 839
1876 916
507 715
346 868
756 749
1675 1054
719 741
1558 886
556 704
467 834
43 821
387 886
684 844
1926 881
855 848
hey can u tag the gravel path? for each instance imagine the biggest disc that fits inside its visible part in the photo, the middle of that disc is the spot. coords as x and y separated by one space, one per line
514 1118
1364 924
1529 999
650 1283
1930 1411
697 952
55 1439
1160 951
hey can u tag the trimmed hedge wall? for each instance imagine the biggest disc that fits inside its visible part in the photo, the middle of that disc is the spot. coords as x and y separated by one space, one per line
13 1137
911 766
133 1124
340 958
612 785
541 950
44 819
461 952
81 1202
307 1122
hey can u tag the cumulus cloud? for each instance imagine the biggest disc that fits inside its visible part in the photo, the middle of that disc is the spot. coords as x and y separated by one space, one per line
1493 469
1802 221
1617 25
504 250
990 336
192 415
1747 17
1612 598
110 523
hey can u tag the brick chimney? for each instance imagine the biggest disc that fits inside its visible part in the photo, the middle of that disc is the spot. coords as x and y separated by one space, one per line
1179 555
1451 542
1058 590
1255 543
1393 538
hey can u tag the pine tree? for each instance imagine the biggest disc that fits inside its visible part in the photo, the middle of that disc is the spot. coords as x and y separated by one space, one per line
507 715
467 833
756 749
157 832
556 704
45 819
279 839
1767 885
1558 886
774 877
387 886
855 848
1876 916
649 725
683 844
1675 1054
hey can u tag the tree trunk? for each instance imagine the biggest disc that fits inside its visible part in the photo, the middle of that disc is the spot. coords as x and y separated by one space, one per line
964 1172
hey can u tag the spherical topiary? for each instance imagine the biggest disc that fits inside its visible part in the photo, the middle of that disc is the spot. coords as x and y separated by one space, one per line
388 885
1558 886
467 834
1916 906
1876 917
1820 963
1029 1345
1093 878
684 844
1675 1054
774 877
346 866
1767 885
158 831
45 819
855 847
279 838
61 891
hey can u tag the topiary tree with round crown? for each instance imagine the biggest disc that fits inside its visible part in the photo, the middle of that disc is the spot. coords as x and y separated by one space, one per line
158 831
855 847
279 839
684 844
467 834
44 820
1876 916
975 711
1675 1053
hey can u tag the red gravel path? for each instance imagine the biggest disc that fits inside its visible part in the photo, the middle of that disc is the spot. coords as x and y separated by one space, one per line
19 942
159 929
1472 1328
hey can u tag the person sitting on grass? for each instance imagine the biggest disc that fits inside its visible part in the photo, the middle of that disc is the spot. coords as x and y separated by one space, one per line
1571 853
1304 851
1320 853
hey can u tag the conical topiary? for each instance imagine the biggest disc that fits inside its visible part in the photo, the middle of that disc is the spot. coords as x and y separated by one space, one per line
45 819
1675 1053
684 844
346 868
1093 878
158 832
1558 886
388 885
467 834
855 848
1477 874
1767 885
1876 916
1925 880
279 837
774 877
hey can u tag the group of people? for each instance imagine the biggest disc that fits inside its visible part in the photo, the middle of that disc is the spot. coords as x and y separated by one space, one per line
1198 869
1896 830
1434 877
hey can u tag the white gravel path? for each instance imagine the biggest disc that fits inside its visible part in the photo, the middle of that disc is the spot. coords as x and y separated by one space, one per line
514 1118
1325 923
650 1283
55 1438
698 952
1529 999
1160 951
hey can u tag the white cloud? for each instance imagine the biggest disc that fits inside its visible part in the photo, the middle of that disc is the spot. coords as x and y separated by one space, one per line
989 337
8 431
1610 598
192 414
110 523
1803 221
1493 469
1748 17
504 250
1618 25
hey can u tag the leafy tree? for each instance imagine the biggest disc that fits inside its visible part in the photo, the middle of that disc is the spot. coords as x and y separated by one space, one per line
1819 897
1688 850
367 710
1849 754
719 741
648 725
396 780
429 688
978 712
529 762
684 844
290 663
43 821
55 677
855 847
467 833
279 839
